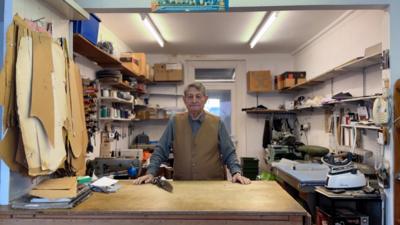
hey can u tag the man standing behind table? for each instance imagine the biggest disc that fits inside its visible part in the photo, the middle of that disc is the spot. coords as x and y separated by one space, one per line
200 141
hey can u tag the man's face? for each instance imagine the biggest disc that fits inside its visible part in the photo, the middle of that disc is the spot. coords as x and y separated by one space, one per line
194 100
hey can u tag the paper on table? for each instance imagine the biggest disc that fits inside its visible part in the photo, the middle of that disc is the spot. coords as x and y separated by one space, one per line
56 188
104 182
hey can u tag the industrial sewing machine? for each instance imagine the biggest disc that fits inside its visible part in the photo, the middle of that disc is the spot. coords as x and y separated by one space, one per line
283 146
118 167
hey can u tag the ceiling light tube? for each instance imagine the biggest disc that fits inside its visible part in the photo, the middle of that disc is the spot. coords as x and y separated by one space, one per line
153 29
261 29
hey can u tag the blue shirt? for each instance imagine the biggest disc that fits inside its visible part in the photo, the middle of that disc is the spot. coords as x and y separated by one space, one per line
225 145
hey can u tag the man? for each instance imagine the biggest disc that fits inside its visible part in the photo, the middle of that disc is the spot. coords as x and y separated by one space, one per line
200 141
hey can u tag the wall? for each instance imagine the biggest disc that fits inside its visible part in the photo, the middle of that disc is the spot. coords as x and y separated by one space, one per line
344 42
249 138
358 31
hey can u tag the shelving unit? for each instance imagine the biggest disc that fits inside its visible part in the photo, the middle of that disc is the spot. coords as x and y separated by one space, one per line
356 64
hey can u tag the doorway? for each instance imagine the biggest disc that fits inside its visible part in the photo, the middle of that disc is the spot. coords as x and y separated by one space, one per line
219 77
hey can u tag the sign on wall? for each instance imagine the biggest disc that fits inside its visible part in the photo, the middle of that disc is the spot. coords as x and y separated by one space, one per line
165 6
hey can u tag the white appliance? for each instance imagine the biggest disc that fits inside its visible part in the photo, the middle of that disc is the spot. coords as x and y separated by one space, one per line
342 173
346 180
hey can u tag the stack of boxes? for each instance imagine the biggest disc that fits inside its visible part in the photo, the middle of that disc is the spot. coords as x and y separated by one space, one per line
289 79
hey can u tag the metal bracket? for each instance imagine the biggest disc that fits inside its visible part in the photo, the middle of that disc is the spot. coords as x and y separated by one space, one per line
385 61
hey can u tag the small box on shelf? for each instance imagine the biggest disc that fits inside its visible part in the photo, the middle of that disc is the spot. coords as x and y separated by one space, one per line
168 72
289 79
259 81
135 61
88 28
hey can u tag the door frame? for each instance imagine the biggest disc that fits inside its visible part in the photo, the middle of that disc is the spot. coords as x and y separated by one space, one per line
224 85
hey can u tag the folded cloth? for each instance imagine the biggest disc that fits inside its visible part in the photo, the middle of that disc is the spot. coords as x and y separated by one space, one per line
259 107
342 95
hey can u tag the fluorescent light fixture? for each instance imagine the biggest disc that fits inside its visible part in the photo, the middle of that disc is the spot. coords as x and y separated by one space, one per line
268 20
153 29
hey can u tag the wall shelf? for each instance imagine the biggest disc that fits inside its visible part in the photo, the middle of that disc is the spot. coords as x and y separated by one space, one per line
356 64
166 94
354 99
266 111
118 85
357 126
115 119
70 9
102 58
118 100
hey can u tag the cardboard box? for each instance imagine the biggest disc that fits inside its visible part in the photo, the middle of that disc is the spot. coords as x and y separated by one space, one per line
168 72
292 78
134 61
132 66
279 82
259 81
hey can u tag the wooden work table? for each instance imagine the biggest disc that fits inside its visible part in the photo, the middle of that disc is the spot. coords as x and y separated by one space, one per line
192 202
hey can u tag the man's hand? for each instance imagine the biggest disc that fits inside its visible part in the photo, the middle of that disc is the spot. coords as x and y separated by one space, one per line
144 179
240 179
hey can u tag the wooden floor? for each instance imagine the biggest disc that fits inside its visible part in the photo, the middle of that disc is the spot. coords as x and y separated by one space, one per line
192 202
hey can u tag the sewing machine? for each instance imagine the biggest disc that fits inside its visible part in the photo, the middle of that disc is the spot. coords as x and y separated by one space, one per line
111 166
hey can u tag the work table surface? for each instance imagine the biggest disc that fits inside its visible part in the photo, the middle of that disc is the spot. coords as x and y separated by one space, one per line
191 199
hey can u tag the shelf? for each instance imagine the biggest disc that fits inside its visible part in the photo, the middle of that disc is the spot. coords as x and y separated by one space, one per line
166 94
362 127
307 108
359 151
102 58
161 119
267 111
118 85
115 119
119 100
354 99
164 82
70 9
356 64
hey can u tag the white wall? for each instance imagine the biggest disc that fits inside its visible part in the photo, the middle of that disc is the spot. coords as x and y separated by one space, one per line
249 128
36 9
345 41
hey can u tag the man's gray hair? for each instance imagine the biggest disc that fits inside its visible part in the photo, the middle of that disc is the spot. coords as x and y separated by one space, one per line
199 86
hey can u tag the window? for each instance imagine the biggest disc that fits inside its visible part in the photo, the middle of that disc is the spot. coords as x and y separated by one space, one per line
214 75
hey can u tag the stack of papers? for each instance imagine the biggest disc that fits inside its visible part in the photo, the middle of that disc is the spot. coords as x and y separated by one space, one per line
56 188
53 194
105 184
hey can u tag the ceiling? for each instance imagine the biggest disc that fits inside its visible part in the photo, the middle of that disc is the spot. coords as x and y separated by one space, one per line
219 33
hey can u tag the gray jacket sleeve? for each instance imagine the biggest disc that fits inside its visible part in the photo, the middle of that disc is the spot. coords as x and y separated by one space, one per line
162 150
228 150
